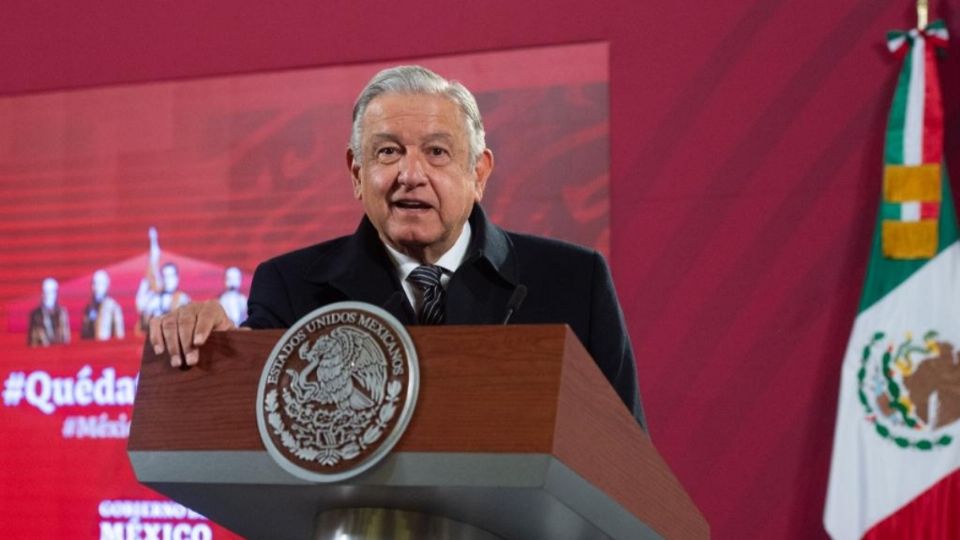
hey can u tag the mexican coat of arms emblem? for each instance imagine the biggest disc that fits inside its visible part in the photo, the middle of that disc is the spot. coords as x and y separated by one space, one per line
337 391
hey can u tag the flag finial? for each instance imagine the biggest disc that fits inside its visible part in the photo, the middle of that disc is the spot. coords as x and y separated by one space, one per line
922 13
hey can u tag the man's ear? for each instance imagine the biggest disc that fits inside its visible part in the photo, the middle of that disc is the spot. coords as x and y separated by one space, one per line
354 166
482 170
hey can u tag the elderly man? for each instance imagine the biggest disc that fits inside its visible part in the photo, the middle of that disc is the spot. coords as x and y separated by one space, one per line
49 323
233 301
103 316
425 250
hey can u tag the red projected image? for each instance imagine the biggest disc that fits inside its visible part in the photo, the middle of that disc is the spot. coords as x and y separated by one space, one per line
120 204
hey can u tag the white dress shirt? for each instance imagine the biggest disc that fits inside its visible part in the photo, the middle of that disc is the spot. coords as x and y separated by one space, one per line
449 261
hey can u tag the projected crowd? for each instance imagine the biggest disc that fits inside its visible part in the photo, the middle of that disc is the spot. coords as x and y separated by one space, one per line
103 317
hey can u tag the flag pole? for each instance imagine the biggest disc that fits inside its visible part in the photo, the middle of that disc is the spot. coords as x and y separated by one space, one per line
922 13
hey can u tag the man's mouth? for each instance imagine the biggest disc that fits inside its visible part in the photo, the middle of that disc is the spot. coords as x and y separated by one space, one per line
407 204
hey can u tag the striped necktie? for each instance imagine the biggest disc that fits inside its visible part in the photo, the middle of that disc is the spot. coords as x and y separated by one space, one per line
427 279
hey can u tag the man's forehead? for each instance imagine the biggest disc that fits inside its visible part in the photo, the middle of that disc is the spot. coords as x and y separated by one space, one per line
414 109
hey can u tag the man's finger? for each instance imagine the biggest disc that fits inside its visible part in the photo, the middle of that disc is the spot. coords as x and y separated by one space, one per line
156 335
168 323
192 357
211 317
186 322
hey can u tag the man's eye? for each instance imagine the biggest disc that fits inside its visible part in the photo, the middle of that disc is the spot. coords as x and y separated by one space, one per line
437 151
388 154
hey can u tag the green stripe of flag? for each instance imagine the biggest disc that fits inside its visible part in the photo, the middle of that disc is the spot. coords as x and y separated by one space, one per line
898 113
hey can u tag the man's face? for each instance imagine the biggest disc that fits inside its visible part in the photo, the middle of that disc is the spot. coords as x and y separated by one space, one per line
414 176
171 278
50 289
232 279
100 284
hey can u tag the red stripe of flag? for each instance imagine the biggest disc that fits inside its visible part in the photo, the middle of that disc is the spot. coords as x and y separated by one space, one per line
931 516
932 107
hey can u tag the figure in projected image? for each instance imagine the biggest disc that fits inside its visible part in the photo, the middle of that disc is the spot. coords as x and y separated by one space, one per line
103 317
233 301
49 323
159 292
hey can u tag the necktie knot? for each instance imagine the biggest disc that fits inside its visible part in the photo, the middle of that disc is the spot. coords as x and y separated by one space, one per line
426 278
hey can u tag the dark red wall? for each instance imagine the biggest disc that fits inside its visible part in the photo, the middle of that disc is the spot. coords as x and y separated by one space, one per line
746 149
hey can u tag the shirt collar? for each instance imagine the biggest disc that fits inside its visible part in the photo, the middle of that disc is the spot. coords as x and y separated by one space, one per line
358 273
449 261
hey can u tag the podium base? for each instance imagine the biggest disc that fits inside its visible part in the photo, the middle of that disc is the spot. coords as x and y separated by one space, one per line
390 524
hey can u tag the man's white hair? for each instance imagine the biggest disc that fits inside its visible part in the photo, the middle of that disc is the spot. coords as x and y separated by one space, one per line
420 80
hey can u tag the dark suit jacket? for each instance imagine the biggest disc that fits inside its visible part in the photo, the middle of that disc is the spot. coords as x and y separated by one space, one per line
565 284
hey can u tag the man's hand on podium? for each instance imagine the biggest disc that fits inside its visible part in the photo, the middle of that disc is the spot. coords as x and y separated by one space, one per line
183 330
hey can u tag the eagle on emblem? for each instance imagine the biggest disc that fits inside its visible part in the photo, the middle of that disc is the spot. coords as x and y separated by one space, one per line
345 368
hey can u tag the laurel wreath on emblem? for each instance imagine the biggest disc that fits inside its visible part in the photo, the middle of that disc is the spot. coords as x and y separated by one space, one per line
898 401
333 436
329 418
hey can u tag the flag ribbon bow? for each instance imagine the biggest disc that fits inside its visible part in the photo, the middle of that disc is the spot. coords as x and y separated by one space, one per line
934 33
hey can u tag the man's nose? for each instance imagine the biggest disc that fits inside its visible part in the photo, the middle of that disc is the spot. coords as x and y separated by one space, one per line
412 172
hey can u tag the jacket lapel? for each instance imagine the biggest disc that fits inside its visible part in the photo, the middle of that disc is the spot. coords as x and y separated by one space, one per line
477 295
479 291
364 273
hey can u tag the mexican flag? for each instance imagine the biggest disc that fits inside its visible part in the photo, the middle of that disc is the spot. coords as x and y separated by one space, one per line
896 450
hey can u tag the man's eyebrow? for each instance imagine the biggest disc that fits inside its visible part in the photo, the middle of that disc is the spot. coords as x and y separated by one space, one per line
440 136
380 137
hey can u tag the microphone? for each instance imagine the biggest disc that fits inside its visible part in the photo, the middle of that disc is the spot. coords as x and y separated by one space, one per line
515 300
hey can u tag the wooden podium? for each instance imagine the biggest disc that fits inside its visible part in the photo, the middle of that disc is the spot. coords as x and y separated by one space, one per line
515 432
